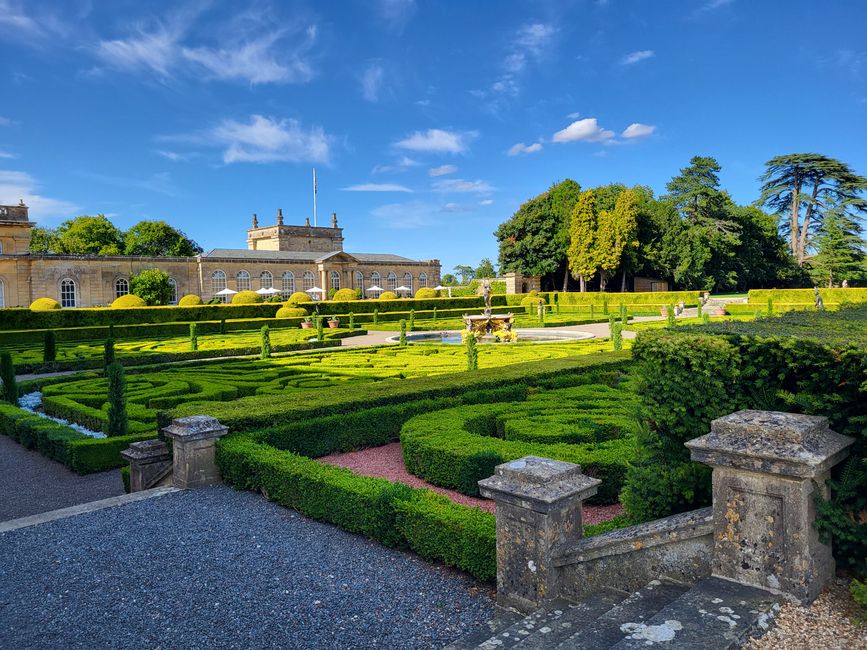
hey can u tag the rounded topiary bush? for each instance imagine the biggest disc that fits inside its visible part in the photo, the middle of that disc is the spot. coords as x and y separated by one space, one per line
190 300
290 312
128 301
388 295
246 298
532 300
344 294
426 293
299 297
44 304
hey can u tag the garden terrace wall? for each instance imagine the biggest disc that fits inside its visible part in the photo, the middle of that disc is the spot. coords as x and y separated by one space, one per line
803 362
779 307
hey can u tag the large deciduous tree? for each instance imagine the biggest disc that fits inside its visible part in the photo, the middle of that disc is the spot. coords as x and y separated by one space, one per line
582 254
486 269
158 239
88 235
802 188
466 272
534 240
152 286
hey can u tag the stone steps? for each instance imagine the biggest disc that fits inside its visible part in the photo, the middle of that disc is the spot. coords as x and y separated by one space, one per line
713 614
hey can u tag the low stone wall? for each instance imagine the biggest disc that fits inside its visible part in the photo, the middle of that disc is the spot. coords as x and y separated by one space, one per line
679 547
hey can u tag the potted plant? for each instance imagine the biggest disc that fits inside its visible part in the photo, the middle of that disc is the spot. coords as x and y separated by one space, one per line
307 323
333 322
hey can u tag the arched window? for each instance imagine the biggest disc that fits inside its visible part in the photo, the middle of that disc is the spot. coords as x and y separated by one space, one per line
359 280
335 280
2 294
243 279
266 280
121 287
67 293
308 280
422 280
1 247
174 285
375 281
218 282
391 281
288 284
407 281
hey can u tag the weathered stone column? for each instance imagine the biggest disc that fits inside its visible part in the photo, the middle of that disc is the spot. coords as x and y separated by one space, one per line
194 444
538 510
150 462
767 466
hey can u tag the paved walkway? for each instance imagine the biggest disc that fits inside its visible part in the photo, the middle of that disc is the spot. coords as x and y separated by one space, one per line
31 483
216 568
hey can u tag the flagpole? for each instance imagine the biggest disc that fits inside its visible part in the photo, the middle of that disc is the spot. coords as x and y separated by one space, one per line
314 196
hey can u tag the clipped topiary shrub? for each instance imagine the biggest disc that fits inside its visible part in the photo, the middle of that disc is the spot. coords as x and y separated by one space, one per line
246 298
44 304
344 294
128 302
299 297
290 312
388 295
425 293
190 300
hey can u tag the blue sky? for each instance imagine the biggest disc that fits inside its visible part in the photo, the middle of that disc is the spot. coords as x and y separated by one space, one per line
429 123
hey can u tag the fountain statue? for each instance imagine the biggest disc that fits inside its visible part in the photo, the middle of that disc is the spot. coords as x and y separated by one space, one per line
488 323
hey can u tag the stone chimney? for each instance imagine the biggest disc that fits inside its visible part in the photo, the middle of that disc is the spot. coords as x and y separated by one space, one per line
255 221
279 216
334 220
307 221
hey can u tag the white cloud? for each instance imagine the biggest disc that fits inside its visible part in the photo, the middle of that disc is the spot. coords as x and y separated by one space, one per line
409 215
402 164
638 130
436 140
635 57
574 116
442 170
463 186
529 43
8 155
257 61
587 130
376 187
396 13
16 186
174 156
486 202
156 51
371 82
521 148
266 139
29 28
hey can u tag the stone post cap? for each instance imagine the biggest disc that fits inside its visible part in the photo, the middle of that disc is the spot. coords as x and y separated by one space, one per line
147 451
537 483
772 442
195 427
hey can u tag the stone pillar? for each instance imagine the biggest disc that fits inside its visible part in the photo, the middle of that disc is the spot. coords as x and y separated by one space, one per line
194 444
538 510
767 466
150 462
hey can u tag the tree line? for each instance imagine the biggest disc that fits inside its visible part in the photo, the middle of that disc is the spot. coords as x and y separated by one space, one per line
96 235
695 236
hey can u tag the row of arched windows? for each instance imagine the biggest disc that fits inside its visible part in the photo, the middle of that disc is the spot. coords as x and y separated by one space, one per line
308 281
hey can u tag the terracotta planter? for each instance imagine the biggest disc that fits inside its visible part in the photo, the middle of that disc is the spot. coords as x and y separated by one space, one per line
306 326
333 324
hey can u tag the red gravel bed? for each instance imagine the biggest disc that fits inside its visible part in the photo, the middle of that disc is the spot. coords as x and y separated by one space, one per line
387 462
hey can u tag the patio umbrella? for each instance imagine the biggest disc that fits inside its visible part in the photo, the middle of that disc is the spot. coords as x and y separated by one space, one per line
442 288
403 289
315 290
226 292
374 288
269 291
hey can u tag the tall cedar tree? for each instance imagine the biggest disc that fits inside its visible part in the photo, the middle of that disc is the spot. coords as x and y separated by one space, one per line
800 186
839 250
117 425
582 235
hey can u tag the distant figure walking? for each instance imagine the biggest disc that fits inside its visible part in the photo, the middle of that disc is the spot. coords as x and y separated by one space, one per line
845 284
820 305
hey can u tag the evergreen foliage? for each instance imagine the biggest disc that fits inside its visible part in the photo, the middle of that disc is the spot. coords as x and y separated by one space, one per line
108 355
117 424
402 333
7 375
194 336
266 342
472 352
49 348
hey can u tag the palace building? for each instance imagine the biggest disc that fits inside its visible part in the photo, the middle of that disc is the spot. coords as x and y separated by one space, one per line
287 258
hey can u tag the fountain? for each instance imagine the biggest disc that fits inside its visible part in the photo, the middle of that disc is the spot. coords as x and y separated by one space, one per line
488 323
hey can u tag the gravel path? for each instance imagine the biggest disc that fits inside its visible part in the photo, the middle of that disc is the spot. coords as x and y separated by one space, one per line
387 462
218 568
31 483
828 623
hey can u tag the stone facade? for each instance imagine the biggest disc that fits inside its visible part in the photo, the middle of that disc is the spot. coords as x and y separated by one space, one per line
288 258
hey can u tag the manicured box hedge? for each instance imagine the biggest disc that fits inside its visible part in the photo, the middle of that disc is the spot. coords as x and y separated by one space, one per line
391 513
690 298
779 307
851 295
78 452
